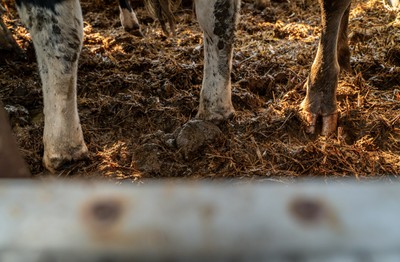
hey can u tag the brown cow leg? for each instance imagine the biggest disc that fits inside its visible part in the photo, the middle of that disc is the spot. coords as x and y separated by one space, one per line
322 82
343 43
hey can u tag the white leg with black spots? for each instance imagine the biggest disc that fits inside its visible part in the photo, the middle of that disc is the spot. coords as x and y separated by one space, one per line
218 19
57 36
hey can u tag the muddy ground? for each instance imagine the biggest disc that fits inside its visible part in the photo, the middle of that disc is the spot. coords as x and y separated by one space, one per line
134 93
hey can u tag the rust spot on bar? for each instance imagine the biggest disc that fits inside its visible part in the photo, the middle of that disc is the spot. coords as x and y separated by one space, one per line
312 212
106 212
208 211
104 215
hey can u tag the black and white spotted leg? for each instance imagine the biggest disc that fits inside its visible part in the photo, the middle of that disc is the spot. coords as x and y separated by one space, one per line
56 28
218 20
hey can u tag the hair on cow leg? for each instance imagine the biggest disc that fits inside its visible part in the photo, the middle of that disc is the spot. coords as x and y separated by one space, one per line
56 28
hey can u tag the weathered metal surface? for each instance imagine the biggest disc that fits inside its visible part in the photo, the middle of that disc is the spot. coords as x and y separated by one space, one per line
12 165
98 222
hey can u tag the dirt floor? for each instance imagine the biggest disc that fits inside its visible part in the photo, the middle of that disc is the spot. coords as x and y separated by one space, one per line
135 94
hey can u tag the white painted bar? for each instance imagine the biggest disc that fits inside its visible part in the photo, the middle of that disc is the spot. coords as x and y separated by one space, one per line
200 222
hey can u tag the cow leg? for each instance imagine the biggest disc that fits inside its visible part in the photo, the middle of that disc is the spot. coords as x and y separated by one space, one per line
128 18
322 82
218 19
56 28
343 43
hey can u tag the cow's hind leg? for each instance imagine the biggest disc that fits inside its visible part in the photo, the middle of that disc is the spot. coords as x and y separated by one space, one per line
322 82
56 28
218 19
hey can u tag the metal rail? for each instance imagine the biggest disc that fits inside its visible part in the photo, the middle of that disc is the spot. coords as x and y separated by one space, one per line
198 222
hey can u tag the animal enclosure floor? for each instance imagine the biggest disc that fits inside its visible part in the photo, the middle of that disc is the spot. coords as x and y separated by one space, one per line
133 93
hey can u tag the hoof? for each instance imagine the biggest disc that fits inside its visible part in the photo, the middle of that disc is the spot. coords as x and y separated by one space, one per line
329 123
215 117
57 161
319 110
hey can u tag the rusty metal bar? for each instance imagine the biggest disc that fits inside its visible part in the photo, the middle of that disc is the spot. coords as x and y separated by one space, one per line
200 222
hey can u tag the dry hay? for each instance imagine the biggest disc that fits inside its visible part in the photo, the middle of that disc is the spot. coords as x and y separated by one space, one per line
135 92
